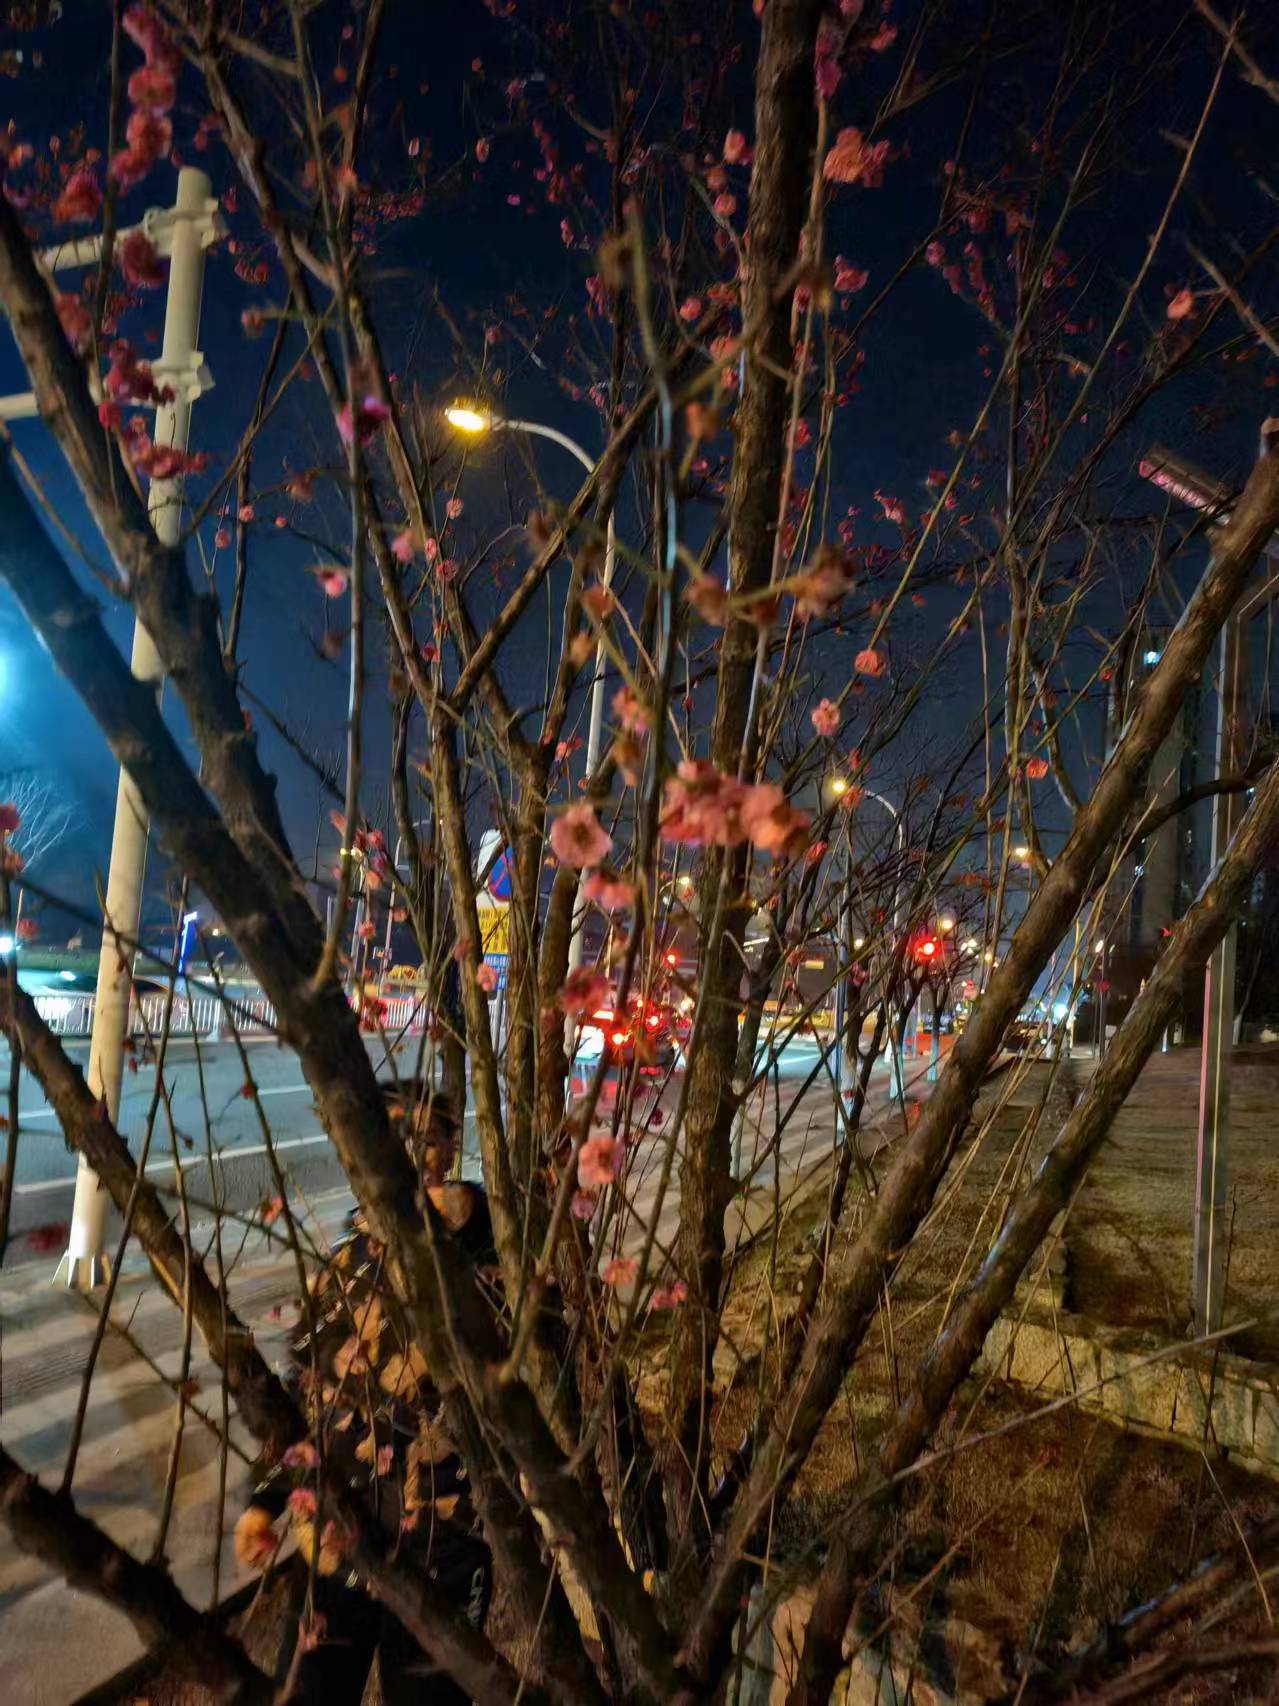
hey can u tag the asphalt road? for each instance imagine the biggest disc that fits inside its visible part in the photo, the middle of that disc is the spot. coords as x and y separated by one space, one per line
215 1082
211 1113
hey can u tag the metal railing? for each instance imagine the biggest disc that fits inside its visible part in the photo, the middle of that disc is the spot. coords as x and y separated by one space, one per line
200 1015
71 1015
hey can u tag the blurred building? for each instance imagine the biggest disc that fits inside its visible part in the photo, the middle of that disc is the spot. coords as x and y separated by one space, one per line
1164 872
1161 874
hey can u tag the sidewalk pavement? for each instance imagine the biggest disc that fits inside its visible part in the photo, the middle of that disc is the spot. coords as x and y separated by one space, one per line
59 1641
62 1642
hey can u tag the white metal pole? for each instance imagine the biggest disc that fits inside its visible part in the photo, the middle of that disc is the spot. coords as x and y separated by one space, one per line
894 1049
594 737
1212 1150
390 910
84 1263
595 725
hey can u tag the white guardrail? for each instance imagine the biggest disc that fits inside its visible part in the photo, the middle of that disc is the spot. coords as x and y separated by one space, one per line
201 1015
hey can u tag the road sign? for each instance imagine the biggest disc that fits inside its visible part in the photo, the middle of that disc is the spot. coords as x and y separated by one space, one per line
498 880
495 927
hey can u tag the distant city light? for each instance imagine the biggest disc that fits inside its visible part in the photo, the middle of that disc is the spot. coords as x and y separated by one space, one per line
1150 657
1021 852
839 784
946 924
6 945
859 941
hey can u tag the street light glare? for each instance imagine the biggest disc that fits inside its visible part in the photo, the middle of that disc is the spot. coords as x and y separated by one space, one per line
839 784
467 420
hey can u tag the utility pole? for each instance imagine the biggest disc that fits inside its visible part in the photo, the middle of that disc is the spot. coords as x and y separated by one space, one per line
183 232
1173 474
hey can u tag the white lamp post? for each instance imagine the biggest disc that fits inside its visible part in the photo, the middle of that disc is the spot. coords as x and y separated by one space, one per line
475 421
840 785
183 232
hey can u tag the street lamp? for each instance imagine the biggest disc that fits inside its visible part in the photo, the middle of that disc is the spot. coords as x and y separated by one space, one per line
839 785
182 232
474 421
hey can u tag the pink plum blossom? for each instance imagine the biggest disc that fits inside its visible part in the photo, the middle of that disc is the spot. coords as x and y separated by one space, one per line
578 837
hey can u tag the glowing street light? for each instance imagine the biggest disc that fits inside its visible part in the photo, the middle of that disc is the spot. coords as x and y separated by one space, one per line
859 942
946 925
838 785
466 419
1022 853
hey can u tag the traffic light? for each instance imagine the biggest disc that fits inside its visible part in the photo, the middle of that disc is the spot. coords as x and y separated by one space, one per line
927 949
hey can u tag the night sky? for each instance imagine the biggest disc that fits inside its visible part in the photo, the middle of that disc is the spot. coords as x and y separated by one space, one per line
924 375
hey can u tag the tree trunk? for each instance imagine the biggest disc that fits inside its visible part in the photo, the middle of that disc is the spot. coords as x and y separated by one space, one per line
785 127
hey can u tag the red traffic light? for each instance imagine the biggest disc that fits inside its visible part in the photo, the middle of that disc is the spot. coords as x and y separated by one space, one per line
927 949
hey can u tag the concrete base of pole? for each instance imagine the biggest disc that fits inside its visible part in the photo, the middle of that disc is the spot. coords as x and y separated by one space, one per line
83 1273
85 1265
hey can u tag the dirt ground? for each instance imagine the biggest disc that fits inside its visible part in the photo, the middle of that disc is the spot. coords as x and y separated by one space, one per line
1064 1521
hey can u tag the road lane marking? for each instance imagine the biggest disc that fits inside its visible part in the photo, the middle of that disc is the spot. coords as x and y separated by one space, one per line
219 1155
186 1161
